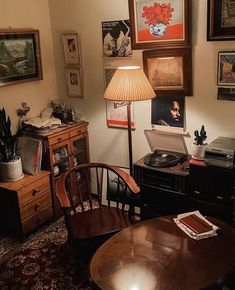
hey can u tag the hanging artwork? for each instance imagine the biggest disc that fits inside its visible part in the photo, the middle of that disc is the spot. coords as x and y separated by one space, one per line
159 23
168 111
116 38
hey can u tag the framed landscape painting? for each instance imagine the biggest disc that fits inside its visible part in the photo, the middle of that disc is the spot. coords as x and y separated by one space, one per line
19 56
220 20
159 23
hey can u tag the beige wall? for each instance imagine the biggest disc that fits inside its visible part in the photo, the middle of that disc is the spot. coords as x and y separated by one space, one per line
85 17
37 94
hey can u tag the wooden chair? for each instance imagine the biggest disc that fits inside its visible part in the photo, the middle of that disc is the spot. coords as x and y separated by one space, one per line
97 201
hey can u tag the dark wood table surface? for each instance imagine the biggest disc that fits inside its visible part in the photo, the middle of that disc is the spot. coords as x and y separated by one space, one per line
156 254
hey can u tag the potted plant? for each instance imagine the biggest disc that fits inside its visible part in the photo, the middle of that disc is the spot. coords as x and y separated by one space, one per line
10 162
199 145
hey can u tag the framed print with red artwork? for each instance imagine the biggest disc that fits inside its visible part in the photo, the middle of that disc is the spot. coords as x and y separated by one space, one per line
160 23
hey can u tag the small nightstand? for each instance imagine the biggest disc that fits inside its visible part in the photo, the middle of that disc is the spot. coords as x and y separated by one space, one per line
25 204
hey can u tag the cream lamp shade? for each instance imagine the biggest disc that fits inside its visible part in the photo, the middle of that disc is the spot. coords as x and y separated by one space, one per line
129 83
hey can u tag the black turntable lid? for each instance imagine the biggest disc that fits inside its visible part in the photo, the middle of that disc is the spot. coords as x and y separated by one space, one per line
161 159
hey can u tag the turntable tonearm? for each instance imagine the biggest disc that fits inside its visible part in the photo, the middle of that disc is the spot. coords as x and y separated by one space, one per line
167 149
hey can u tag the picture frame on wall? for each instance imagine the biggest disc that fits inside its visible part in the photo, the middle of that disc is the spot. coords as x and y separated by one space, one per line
169 71
153 26
168 111
71 47
20 58
226 68
220 20
74 81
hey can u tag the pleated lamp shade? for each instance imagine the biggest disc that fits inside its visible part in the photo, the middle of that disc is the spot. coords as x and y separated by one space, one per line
128 84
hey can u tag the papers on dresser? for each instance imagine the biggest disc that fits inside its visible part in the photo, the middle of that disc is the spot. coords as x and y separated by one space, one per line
195 225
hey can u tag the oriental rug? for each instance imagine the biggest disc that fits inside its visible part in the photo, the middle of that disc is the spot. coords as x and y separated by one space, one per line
43 261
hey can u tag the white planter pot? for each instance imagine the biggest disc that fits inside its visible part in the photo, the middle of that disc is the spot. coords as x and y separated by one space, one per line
11 171
198 151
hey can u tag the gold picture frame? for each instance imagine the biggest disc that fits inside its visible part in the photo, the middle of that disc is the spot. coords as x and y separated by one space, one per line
71 47
74 82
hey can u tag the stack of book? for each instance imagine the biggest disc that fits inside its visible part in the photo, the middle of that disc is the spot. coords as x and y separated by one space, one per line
195 225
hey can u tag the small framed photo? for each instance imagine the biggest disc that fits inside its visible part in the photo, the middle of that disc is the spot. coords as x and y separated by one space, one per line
226 68
20 59
226 94
71 48
160 23
220 20
74 81
169 71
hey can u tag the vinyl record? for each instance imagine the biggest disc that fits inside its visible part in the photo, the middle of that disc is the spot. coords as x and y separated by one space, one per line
161 159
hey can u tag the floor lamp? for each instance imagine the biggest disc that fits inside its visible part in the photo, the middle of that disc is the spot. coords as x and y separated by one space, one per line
129 84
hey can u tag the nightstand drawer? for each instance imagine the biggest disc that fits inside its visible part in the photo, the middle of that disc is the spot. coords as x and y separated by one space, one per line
35 205
78 131
34 189
58 139
36 219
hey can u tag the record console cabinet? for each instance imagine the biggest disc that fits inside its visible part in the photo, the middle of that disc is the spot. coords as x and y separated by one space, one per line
184 187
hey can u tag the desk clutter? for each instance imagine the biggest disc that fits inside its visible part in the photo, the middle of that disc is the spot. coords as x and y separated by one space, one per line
195 225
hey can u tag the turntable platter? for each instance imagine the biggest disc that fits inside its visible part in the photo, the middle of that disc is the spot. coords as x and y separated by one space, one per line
161 159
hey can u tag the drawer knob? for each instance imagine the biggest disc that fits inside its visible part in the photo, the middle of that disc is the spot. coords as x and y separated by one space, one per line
219 197
59 139
197 192
36 207
35 191
79 131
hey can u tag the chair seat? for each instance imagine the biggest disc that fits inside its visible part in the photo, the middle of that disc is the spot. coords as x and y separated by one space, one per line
99 221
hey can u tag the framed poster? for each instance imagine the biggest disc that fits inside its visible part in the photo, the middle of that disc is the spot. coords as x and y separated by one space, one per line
20 59
74 81
168 111
71 48
220 20
160 23
226 68
169 71
227 94
116 38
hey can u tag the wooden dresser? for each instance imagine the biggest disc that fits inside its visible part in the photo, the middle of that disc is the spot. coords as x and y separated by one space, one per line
25 204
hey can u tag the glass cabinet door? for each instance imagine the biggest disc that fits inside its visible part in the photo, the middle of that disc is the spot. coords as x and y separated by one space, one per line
60 157
79 151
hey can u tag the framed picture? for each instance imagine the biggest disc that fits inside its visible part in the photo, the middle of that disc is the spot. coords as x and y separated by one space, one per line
74 81
227 94
160 23
220 20
168 111
71 48
169 71
117 115
19 56
116 38
226 68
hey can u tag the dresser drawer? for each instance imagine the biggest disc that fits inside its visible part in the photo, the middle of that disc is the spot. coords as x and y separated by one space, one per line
35 205
33 190
58 139
35 220
78 131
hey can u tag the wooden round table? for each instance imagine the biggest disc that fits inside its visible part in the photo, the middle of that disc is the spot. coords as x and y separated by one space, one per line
156 254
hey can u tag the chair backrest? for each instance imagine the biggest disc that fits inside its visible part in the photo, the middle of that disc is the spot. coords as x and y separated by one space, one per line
77 187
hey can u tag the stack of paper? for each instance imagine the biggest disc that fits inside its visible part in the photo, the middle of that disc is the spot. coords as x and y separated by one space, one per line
195 225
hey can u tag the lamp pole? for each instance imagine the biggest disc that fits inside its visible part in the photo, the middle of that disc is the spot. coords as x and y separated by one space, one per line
129 137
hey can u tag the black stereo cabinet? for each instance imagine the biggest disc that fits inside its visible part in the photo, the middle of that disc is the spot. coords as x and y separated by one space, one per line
189 186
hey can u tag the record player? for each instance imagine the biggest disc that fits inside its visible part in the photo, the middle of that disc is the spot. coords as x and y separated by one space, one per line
167 149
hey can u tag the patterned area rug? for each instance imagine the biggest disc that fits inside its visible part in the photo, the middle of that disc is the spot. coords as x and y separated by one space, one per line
44 261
